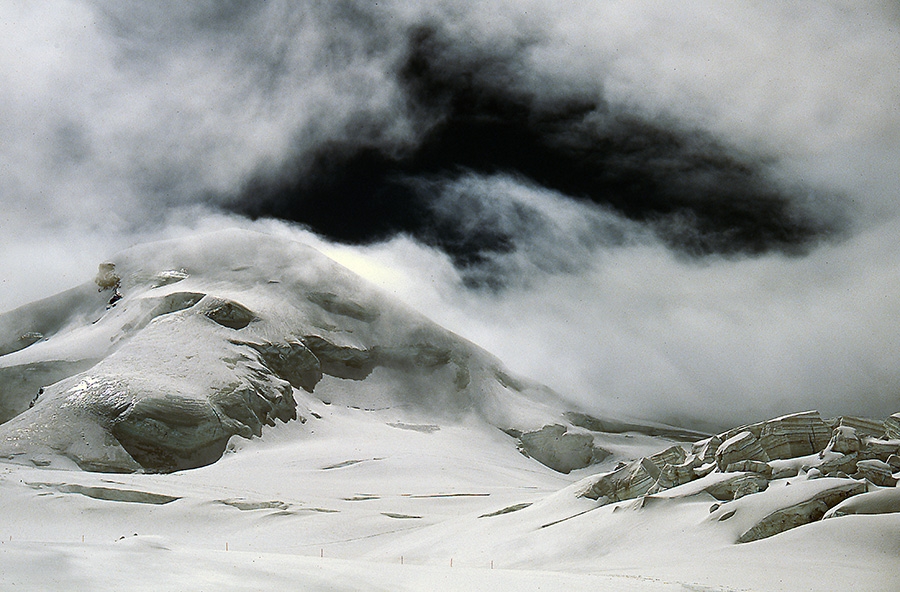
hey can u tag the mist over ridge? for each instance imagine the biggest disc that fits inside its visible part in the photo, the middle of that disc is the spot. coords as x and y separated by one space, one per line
691 209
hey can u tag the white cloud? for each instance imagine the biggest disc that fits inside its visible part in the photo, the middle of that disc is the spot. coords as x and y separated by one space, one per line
117 120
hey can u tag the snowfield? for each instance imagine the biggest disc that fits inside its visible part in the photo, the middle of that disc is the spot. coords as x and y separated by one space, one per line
238 412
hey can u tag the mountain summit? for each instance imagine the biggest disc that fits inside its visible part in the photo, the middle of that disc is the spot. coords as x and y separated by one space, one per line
178 346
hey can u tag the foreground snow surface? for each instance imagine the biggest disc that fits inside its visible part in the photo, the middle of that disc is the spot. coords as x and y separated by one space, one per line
358 504
393 465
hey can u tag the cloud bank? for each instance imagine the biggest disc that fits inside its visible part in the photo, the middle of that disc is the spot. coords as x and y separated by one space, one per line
683 212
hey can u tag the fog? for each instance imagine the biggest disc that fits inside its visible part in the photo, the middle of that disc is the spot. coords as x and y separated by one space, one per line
685 212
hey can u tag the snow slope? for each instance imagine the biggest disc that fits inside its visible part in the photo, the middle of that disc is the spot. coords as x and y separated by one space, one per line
253 416
212 337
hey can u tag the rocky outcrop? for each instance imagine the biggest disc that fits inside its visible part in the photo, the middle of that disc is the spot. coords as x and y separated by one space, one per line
228 313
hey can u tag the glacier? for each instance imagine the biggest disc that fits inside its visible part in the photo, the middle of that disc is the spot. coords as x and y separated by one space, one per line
191 350
247 411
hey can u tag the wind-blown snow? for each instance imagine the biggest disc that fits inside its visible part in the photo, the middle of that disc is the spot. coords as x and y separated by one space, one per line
393 462
208 338
701 198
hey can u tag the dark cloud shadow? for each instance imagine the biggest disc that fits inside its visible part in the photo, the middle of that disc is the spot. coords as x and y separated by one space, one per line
477 115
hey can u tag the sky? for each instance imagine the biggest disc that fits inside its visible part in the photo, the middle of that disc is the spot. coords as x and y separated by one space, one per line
678 211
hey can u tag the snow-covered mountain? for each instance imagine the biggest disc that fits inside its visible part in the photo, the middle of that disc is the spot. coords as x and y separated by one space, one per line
275 421
178 346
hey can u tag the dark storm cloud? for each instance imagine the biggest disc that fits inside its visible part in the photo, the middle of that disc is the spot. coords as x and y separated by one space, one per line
689 209
479 114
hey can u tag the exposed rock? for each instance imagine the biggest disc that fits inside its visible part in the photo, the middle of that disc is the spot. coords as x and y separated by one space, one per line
740 482
794 435
803 513
864 426
554 447
750 466
892 427
228 314
631 481
107 278
876 471
741 446
844 440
